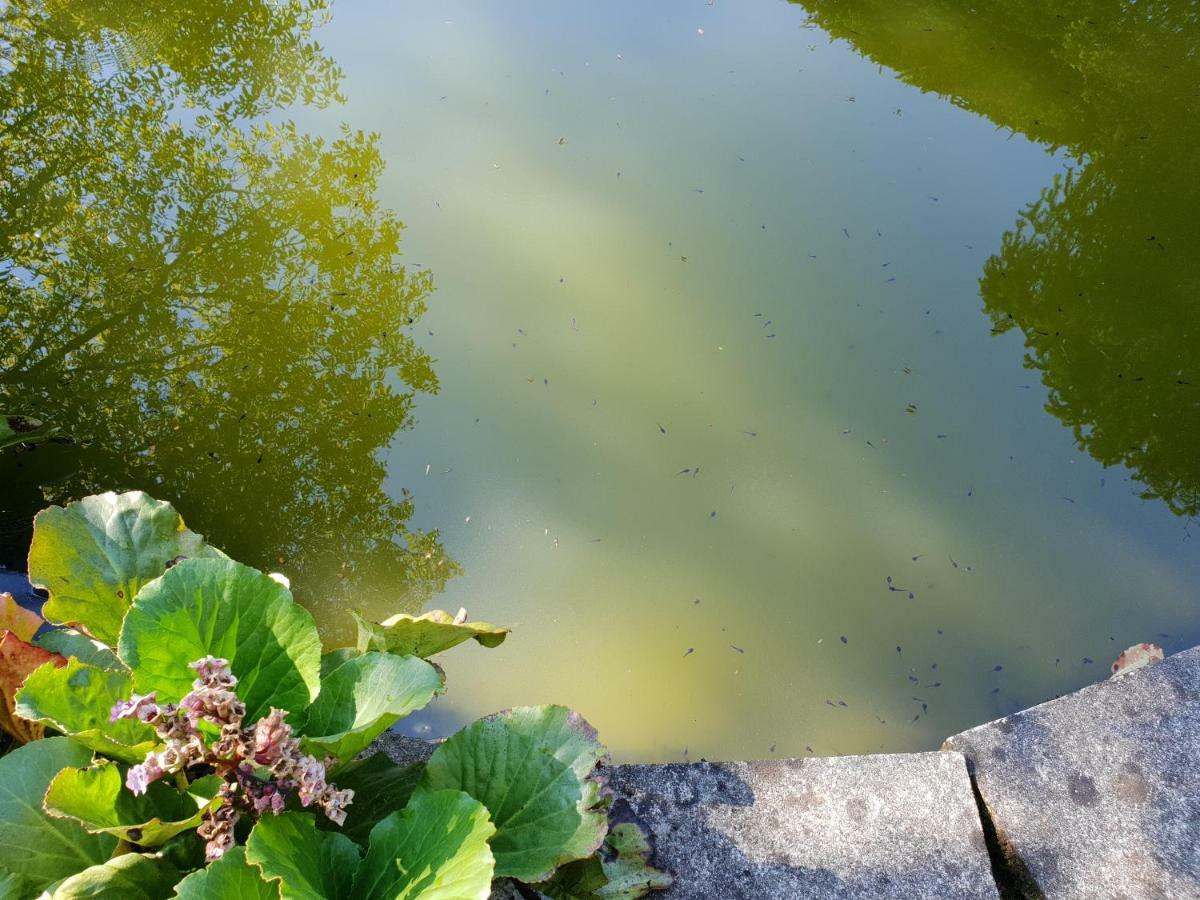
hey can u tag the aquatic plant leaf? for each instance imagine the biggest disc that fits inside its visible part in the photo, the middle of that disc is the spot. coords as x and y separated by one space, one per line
94 555
130 876
96 797
230 876
364 697
424 635
17 660
436 848
68 642
380 788
22 622
77 699
34 846
626 862
218 607
522 764
307 864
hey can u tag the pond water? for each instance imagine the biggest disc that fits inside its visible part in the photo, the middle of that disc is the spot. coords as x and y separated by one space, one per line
793 377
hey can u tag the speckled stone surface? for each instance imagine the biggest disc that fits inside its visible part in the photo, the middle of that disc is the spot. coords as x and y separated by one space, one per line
887 826
404 751
1097 794
892 825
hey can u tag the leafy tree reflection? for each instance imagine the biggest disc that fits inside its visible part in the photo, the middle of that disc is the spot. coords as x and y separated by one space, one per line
1102 272
211 304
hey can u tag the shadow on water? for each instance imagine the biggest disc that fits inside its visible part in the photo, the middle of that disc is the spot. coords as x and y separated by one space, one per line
210 304
1100 272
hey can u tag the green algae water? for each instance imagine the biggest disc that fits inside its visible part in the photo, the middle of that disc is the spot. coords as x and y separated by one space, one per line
795 378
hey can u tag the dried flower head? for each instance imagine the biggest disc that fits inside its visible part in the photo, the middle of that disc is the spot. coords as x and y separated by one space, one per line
261 764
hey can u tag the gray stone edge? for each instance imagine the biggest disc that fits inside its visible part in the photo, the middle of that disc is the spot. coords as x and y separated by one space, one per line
1012 878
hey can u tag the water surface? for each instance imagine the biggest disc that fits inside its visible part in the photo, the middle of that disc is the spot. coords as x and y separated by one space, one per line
795 378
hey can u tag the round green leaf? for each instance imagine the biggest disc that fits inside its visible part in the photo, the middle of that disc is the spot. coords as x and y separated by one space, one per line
14 887
523 766
130 876
424 635
577 745
97 798
219 607
362 698
334 658
77 699
34 846
435 849
308 864
93 556
380 788
230 876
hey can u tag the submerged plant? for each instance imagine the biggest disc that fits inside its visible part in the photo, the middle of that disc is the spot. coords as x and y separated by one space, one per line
209 748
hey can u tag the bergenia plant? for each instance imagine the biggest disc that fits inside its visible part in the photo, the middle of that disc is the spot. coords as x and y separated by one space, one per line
201 744
260 766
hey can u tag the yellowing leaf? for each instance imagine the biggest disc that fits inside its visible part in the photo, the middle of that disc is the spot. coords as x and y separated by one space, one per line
17 659
425 635
20 621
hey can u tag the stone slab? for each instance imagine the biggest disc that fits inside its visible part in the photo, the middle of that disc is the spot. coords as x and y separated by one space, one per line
887 826
891 825
1097 794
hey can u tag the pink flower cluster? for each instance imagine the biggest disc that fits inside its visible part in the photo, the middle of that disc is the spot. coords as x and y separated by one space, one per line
262 765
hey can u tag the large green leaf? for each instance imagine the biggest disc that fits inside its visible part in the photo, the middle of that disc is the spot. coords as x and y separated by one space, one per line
523 765
576 744
96 797
219 607
380 788
68 642
229 878
77 699
308 864
130 876
13 886
93 556
424 635
334 658
34 846
435 849
362 698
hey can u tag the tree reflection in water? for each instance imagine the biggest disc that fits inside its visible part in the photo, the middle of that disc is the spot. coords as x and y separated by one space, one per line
211 304
1102 272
